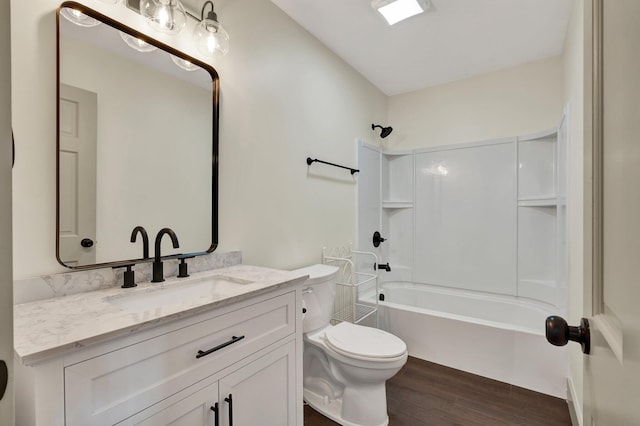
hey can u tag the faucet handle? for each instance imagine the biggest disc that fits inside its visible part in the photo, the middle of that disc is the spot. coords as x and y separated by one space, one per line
377 239
183 267
129 276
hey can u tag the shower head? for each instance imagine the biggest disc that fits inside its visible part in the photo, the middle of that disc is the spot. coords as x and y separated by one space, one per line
386 131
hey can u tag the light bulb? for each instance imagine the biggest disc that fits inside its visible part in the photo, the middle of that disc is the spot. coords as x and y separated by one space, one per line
136 43
165 16
79 18
211 43
147 8
184 64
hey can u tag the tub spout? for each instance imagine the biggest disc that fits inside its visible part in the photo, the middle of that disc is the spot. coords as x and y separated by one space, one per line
384 266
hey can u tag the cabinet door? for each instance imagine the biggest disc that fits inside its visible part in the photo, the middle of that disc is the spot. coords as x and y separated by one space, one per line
187 410
263 392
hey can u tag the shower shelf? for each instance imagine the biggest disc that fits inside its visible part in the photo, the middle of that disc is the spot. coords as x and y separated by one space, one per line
397 204
538 202
347 307
397 153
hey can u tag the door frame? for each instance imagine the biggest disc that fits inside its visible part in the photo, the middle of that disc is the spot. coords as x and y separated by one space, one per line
593 288
6 240
592 192
605 327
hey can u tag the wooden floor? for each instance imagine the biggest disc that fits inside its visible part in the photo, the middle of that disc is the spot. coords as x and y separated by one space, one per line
423 393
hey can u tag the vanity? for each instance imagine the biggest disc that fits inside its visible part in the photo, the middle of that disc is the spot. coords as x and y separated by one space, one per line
220 347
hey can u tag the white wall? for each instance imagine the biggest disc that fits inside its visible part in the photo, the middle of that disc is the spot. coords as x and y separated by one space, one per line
516 101
574 96
284 97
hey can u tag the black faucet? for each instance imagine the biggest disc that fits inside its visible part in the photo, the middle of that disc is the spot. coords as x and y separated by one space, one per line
145 240
384 266
158 274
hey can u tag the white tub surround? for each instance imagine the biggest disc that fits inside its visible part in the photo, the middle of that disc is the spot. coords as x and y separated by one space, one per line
487 216
159 352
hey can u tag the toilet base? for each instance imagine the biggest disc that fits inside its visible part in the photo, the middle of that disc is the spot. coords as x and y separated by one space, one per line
331 408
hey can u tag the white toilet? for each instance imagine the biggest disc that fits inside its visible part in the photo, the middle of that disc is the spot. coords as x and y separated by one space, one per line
346 365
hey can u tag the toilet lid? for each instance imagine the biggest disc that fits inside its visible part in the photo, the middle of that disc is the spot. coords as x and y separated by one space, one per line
361 341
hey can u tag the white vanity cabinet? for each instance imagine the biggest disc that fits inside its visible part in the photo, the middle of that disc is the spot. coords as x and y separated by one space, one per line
258 393
249 365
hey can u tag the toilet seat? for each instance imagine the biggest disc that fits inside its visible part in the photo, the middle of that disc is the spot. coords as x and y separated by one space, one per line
365 343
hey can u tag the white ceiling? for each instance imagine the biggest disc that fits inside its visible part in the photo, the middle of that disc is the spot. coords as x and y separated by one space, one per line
454 40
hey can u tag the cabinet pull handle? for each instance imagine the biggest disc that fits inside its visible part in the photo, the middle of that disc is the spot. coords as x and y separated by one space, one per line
215 410
233 340
230 402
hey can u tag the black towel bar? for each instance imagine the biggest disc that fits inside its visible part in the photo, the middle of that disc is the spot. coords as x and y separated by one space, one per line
310 161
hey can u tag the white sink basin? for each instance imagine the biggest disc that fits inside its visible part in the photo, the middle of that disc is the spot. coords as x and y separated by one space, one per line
212 288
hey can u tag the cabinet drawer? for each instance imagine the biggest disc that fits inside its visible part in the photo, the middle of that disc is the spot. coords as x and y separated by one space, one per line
116 385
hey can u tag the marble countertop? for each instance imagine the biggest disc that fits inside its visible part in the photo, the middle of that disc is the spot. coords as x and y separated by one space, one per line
51 327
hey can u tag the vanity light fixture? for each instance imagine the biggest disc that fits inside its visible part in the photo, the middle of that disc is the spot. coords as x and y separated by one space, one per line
395 11
165 16
136 43
211 38
184 64
78 17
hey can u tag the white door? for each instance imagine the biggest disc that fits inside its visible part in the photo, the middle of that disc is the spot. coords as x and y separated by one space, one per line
78 137
263 392
612 370
6 243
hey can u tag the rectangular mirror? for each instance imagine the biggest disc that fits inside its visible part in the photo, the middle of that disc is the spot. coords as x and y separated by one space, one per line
137 143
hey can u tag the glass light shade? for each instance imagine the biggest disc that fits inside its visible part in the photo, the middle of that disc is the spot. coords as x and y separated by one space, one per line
147 7
211 38
184 64
78 17
165 16
136 43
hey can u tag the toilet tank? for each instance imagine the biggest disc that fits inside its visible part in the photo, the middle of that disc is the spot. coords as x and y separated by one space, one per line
318 293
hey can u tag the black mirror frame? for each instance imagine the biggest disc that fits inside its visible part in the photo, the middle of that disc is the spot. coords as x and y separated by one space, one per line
215 129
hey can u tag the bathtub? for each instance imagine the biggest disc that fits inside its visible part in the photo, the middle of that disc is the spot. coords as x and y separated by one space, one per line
500 337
